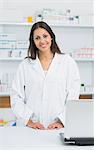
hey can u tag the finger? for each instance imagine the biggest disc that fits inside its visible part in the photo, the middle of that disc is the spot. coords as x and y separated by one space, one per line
59 126
32 126
50 126
40 126
55 126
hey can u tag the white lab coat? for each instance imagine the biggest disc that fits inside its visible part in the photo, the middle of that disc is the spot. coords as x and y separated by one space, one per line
42 98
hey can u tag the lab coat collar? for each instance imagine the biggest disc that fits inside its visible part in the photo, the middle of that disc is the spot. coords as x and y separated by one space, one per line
38 68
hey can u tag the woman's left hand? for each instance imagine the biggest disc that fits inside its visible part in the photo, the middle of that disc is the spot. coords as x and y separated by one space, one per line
55 125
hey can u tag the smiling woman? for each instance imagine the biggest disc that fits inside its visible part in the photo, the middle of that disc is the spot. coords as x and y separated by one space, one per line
42 37
42 41
44 81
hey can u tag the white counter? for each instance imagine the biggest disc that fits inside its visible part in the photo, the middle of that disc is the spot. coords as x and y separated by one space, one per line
24 138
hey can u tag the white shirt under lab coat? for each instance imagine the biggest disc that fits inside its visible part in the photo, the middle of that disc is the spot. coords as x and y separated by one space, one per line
42 97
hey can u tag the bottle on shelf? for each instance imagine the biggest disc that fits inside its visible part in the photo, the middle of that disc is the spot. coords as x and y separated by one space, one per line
83 88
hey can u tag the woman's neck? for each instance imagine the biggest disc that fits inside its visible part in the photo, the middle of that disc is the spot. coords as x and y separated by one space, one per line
46 60
46 56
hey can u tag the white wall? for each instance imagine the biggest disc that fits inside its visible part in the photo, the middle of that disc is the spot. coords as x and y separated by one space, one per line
1 11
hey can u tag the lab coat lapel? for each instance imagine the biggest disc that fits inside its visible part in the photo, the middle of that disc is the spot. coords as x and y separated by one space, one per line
37 67
54 65
52 69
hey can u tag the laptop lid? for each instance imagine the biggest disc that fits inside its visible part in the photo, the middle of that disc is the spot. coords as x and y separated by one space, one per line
79 119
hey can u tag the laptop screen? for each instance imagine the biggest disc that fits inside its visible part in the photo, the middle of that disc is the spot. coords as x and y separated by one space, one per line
79 119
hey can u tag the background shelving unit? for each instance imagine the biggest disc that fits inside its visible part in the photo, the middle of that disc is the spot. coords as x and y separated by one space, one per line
51 24
11 59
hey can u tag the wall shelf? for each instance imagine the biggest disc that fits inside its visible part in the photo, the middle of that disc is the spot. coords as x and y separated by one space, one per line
4 94
20 59
16 23
11 59
51 24
84 59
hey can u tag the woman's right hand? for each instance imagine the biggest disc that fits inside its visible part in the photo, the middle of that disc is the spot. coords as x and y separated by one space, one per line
35 125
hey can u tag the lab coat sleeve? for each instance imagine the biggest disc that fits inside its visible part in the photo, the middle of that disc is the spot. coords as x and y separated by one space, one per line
72 87
18 105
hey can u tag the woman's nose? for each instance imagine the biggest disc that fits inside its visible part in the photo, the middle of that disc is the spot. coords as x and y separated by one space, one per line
42 39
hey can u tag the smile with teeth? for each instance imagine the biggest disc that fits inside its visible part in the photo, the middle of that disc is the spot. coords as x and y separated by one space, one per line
43 46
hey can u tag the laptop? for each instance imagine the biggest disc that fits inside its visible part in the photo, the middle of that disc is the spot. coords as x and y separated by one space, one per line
79 122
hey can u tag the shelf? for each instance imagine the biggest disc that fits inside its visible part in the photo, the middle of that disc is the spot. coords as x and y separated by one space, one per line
51 24
4 94
71 25
87 93
11 59
16 23
20 59
84 59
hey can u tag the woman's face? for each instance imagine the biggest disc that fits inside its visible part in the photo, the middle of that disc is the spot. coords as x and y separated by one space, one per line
42 39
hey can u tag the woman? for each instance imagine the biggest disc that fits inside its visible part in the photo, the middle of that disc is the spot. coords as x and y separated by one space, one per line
44 81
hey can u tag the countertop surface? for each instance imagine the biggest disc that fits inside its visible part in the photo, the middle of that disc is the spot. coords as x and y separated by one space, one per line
25 138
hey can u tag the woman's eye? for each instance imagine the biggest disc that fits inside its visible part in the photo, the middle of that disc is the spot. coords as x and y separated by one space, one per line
39 38
45 36
36 38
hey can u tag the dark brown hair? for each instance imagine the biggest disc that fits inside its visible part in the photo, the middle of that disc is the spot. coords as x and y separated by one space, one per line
32 50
